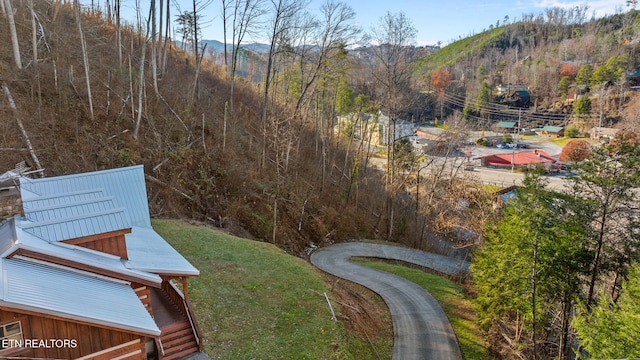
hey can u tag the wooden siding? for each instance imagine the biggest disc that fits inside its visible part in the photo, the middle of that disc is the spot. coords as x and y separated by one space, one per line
134 349
88 339
112 243
144 294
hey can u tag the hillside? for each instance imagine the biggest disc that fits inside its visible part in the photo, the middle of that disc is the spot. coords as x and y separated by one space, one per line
558 55
289 184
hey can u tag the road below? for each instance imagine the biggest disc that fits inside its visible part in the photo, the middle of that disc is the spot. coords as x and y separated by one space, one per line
505 178
421 328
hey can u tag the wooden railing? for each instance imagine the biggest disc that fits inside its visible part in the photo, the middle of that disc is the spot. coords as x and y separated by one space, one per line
185 307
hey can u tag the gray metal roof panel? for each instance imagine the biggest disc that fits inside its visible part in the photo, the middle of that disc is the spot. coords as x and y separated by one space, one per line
77 254
31 200
8 236
148 251
75 295
126 185
65 228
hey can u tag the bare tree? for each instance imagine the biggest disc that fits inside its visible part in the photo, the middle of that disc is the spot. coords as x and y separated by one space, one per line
166 37
13 107
336 30
315 43
246 16
283 15
226 6
12 30
394 34
154 58
85 56
118 32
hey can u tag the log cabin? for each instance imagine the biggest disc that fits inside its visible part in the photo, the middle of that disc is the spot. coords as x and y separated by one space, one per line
83 275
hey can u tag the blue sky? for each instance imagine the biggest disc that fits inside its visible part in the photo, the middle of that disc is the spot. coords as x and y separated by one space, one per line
443 20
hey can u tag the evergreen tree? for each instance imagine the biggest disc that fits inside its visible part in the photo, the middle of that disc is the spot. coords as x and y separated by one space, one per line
563 86
582 106
530 272
611 330
484 97
604 200
584 75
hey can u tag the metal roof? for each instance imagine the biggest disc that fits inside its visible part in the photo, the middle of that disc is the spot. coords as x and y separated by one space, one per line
72 206
71 294
8 235
73 253
32 202
125 185
66 228
506 124
552 129
148 251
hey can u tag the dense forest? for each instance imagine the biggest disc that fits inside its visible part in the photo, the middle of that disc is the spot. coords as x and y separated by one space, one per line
248 141
558 55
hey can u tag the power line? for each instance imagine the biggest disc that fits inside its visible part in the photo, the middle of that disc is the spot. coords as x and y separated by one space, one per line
456 102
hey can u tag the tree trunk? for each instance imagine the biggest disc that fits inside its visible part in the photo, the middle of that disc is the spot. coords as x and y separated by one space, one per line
85 58
34 33
14 35
154 55
13 107
118 32
140 92
534 283
166 39
224 126
596 262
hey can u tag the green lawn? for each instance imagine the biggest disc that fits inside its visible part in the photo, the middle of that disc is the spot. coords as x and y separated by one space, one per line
451 297
561 141
253 301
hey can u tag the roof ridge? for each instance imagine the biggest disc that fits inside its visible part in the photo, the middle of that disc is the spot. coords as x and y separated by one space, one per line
86 174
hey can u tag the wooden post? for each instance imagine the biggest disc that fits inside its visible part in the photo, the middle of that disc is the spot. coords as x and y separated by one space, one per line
185 287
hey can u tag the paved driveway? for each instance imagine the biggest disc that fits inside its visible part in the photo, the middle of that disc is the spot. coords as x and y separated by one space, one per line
421 329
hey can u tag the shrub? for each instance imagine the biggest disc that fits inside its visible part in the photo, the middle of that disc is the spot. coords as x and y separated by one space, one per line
572 132
576 150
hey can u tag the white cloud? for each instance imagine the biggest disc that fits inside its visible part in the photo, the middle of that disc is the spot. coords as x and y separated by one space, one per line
599 7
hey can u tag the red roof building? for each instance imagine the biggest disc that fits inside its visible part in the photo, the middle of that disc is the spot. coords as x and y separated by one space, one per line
517 159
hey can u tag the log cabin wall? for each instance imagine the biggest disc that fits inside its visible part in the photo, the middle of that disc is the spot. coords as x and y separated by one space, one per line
88 339
113 243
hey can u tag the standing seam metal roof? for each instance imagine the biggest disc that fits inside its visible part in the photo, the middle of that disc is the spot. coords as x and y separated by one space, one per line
126 185
61 229
71 294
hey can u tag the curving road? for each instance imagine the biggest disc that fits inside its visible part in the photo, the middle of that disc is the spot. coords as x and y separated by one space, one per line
421 328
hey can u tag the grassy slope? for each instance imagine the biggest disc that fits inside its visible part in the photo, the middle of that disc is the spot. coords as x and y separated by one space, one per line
253 301
459 309
454 52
